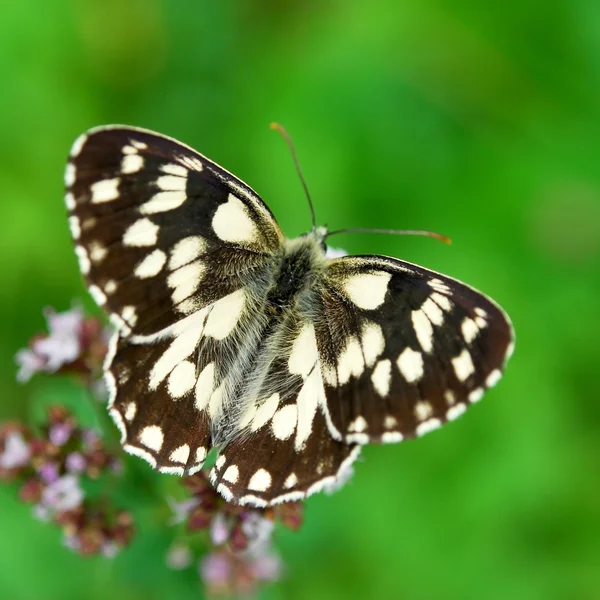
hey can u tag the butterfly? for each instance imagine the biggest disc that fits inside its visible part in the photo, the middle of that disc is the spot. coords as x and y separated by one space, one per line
228 335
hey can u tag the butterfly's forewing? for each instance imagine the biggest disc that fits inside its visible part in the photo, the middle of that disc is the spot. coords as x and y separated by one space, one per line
404 349
167 242
160 230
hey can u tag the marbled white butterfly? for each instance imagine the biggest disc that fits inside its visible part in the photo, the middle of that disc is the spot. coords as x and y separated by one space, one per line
230 336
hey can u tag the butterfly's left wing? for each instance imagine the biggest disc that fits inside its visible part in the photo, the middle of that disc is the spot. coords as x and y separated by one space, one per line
167 242
404 349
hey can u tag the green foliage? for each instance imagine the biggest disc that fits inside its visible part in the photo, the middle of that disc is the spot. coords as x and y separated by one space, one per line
480 121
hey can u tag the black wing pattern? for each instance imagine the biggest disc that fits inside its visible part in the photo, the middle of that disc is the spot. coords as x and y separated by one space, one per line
167 241
404 349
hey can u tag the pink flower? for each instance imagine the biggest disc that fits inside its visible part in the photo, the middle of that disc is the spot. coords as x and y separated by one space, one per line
63 495
219 530
62 346
16 451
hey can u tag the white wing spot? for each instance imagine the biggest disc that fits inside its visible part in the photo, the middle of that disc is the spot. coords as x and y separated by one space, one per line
231 474
184 282
260 481
248 417
151 265
358 425
428 426
215 404
290 481
129 314
192 163
433 312
180 348
97 294
152 437
70 174
373 342
186 251
480 322
181 454
463 365
439 285
163 202
232 223
105 190
469 329
110 287
449 397
329 375
182 379
423 329
78 145
310 396
70 201
382 377
75 228
350 361
423 410
493 378
205 386
130 411
84 261
390 422
131 163
172 183
220 461
304 353
265 411
142 233
441 301
284 422
410 364
476 395
97 252
224 315
200 454
357 438
367 290
455 411
480 312
391 437
173 169
138 145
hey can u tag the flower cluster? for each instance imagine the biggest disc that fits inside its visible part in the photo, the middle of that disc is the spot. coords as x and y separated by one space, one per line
51 468
242 555
54 464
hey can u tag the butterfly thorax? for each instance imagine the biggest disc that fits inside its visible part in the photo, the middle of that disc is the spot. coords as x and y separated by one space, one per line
298 267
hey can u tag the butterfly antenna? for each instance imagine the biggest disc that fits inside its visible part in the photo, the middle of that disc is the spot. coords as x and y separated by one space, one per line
431 234
288 140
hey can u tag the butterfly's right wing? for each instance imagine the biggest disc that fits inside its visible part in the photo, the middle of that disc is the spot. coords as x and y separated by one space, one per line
403 349
167 241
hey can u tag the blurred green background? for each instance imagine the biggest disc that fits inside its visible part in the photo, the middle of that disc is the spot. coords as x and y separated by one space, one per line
479 120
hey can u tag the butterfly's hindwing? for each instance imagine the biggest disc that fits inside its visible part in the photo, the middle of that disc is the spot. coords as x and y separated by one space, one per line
267 467
404 349
161 415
